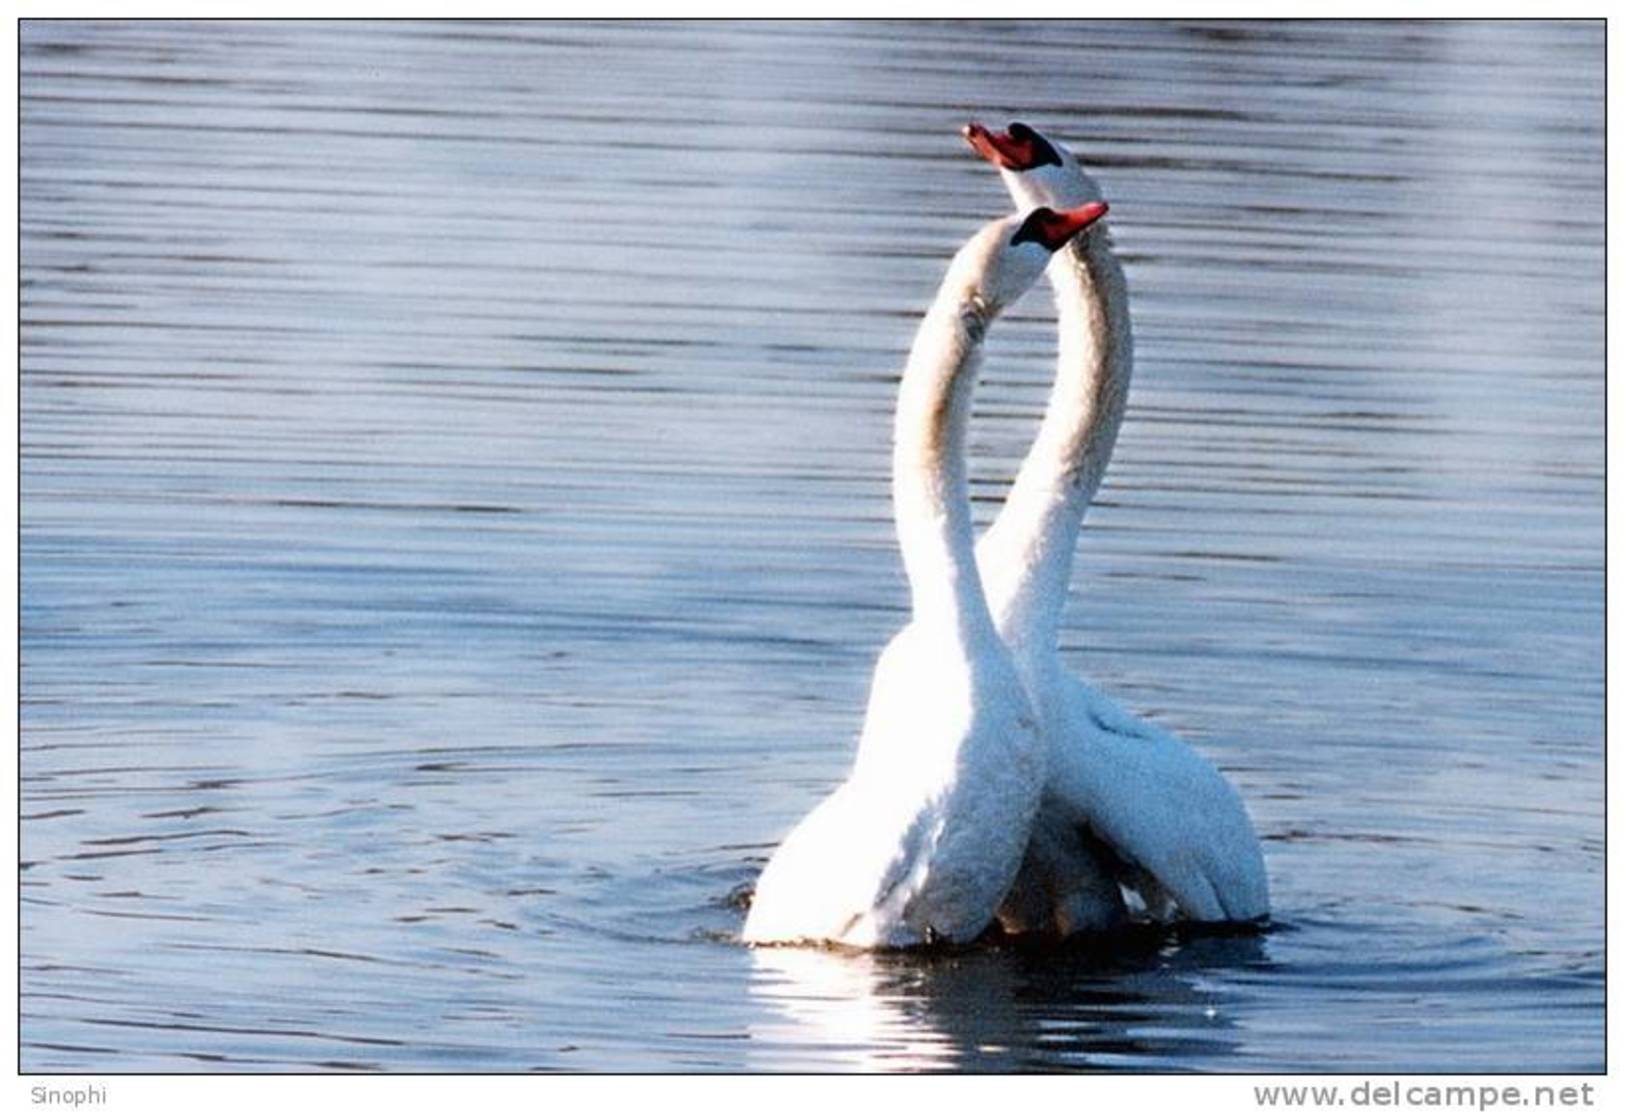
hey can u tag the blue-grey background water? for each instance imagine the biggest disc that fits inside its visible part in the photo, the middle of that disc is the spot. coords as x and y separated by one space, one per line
455 532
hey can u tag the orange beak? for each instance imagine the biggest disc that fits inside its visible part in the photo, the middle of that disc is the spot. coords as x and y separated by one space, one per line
1053 228
999 148
1069 222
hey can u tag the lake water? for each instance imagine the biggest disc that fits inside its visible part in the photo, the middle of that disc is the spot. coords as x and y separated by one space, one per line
456 537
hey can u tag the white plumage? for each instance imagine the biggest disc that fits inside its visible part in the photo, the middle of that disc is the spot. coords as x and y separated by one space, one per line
923 840
1120 791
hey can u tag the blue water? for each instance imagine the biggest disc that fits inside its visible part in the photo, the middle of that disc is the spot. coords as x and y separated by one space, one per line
455 533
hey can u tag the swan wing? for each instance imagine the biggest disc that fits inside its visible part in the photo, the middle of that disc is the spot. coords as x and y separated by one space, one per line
1158 804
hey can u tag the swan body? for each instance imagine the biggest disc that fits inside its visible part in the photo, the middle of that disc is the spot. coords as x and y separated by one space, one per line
1124 800
923 840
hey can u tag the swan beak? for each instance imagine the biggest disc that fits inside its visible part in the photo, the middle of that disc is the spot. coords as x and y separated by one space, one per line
1069 222
1054 227
997 147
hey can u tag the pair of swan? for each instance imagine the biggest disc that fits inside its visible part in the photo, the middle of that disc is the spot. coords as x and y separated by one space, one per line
991 783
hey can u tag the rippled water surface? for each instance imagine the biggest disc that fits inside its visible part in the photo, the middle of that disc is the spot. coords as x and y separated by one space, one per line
455 532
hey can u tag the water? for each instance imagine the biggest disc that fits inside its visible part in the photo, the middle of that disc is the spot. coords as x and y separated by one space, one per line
455 536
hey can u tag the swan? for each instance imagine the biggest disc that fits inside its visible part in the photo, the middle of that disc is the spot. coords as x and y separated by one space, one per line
922 841
1120 791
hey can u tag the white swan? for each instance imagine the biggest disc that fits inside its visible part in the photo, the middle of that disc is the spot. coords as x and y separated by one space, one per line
1155 803
922 841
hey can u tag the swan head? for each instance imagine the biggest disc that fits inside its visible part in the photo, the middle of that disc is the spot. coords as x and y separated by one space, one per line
1037 170
1003 260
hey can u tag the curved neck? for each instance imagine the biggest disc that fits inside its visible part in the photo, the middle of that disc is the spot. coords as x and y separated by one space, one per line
930 493
1026 554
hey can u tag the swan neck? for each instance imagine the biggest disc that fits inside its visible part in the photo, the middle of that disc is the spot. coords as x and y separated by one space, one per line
930 489
1028 551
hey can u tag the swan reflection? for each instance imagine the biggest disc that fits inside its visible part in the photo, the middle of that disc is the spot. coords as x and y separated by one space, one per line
1076 1007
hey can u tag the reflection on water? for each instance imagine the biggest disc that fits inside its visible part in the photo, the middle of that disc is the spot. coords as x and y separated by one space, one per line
455 535
1000 1009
